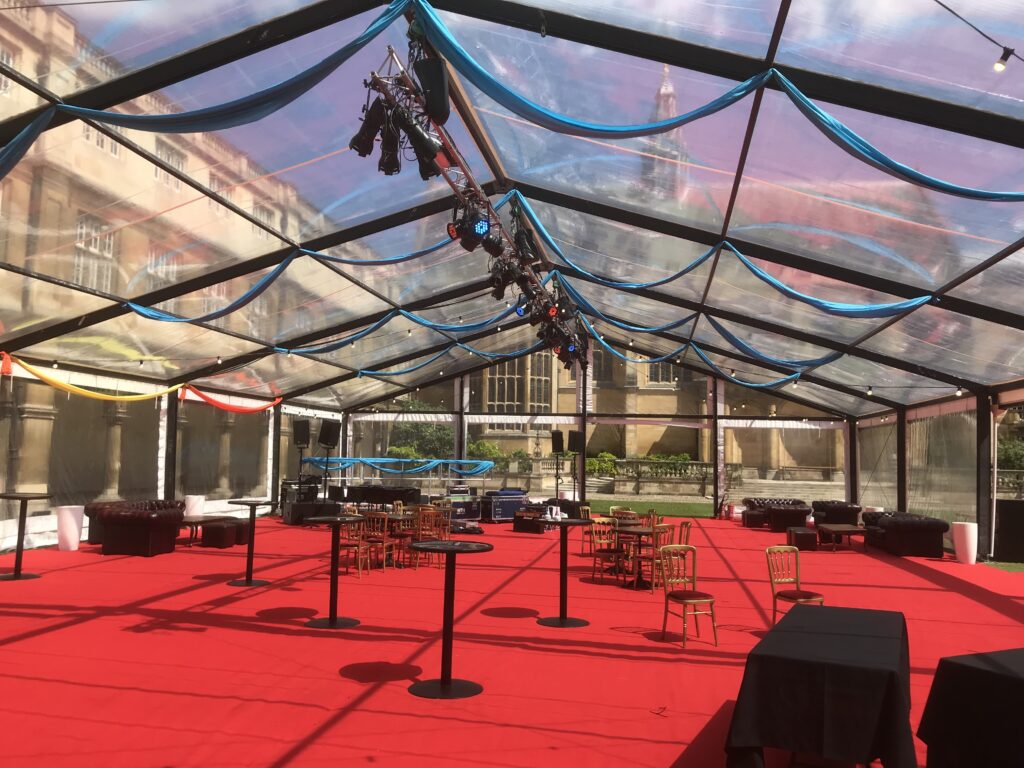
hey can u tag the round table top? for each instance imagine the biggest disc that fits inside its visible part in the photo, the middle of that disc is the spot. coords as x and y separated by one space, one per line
206 518
566 522
455 546
335 519
25 496
250 502
635 530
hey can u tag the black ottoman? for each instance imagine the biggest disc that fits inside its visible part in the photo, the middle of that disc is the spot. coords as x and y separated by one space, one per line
802 538
219 534
241 531
753 518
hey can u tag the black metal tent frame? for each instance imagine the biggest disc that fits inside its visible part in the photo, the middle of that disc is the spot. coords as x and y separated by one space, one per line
871 98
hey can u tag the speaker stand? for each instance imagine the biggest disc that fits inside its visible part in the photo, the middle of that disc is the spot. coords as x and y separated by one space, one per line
558 472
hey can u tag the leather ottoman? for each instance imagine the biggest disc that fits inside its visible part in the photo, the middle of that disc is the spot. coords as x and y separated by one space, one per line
802 538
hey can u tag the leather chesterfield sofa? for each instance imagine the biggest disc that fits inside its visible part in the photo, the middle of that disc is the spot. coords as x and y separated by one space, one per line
905 534
778 513
144 528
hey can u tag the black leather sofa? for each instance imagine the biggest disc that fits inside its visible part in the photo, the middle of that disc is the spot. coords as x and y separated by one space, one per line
901 534
144 528
778 513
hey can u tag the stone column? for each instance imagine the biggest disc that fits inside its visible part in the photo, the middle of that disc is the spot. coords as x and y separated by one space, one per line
116 414
29 464
225 420
773 460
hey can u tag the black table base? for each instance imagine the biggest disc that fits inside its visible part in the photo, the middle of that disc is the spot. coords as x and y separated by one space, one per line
563 620
439 689
18 576
19 551
340 622
248 583
333 620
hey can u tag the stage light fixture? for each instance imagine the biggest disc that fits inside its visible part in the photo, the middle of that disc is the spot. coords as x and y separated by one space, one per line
362 142
473 227
423 144
390 160
494 244
524 246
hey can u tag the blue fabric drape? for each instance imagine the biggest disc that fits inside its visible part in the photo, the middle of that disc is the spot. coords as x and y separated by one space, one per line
859 147
832 307
585 305
441 38
763 385
248 108
264 282
334 346
446 350
410 369
464 467
457 327
745 348
549 241
640 360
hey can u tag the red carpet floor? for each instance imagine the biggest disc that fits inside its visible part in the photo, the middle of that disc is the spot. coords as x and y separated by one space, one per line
130 661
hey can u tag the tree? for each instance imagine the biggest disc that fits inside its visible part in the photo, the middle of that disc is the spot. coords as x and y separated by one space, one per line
428 441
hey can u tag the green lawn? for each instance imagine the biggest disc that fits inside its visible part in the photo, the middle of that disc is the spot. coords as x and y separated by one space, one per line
1013 567
665 508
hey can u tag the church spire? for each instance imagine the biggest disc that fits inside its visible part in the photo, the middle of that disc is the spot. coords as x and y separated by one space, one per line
660 178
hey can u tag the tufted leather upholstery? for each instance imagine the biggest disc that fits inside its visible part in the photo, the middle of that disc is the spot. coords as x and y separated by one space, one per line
757 502
835 512
905 534
135 527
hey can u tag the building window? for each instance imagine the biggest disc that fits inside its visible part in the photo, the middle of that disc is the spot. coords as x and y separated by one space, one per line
264 215
222 187
95 253
601 370
101 140
504 393
540 384
214 297
172 157
7 58
660 373
163 266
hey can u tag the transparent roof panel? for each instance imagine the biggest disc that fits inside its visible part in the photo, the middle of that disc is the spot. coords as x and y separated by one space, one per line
349 394
101 41
869 42
398 338
631 309
743 402
979 351
685 175
134 345
306 297
1001 284
293 168
104 218
768 344
28 304
885 381
735 288
744 27
802 193
272 376
411 280
623 253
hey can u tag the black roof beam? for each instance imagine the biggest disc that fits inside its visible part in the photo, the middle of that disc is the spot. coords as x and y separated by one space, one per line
734 66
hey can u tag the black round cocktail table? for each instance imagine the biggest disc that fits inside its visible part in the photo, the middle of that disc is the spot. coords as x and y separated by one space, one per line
563 620
334 621
639 531
446 687
24 498
249 581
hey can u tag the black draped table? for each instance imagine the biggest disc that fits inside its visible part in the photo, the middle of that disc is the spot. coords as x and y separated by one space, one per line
563 619
252 504
333 621
24 498
974 712
446 687
832 682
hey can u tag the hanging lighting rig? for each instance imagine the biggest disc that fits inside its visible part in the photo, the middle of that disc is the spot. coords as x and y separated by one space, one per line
406 108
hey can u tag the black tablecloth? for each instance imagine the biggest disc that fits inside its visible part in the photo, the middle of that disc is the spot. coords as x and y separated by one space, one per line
833 682
975 711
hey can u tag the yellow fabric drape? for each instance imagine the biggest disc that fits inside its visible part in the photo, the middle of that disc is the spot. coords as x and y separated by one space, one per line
65 387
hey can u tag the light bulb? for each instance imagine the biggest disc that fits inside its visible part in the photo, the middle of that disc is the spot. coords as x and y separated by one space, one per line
870 391
959 391
1000 65
219 360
